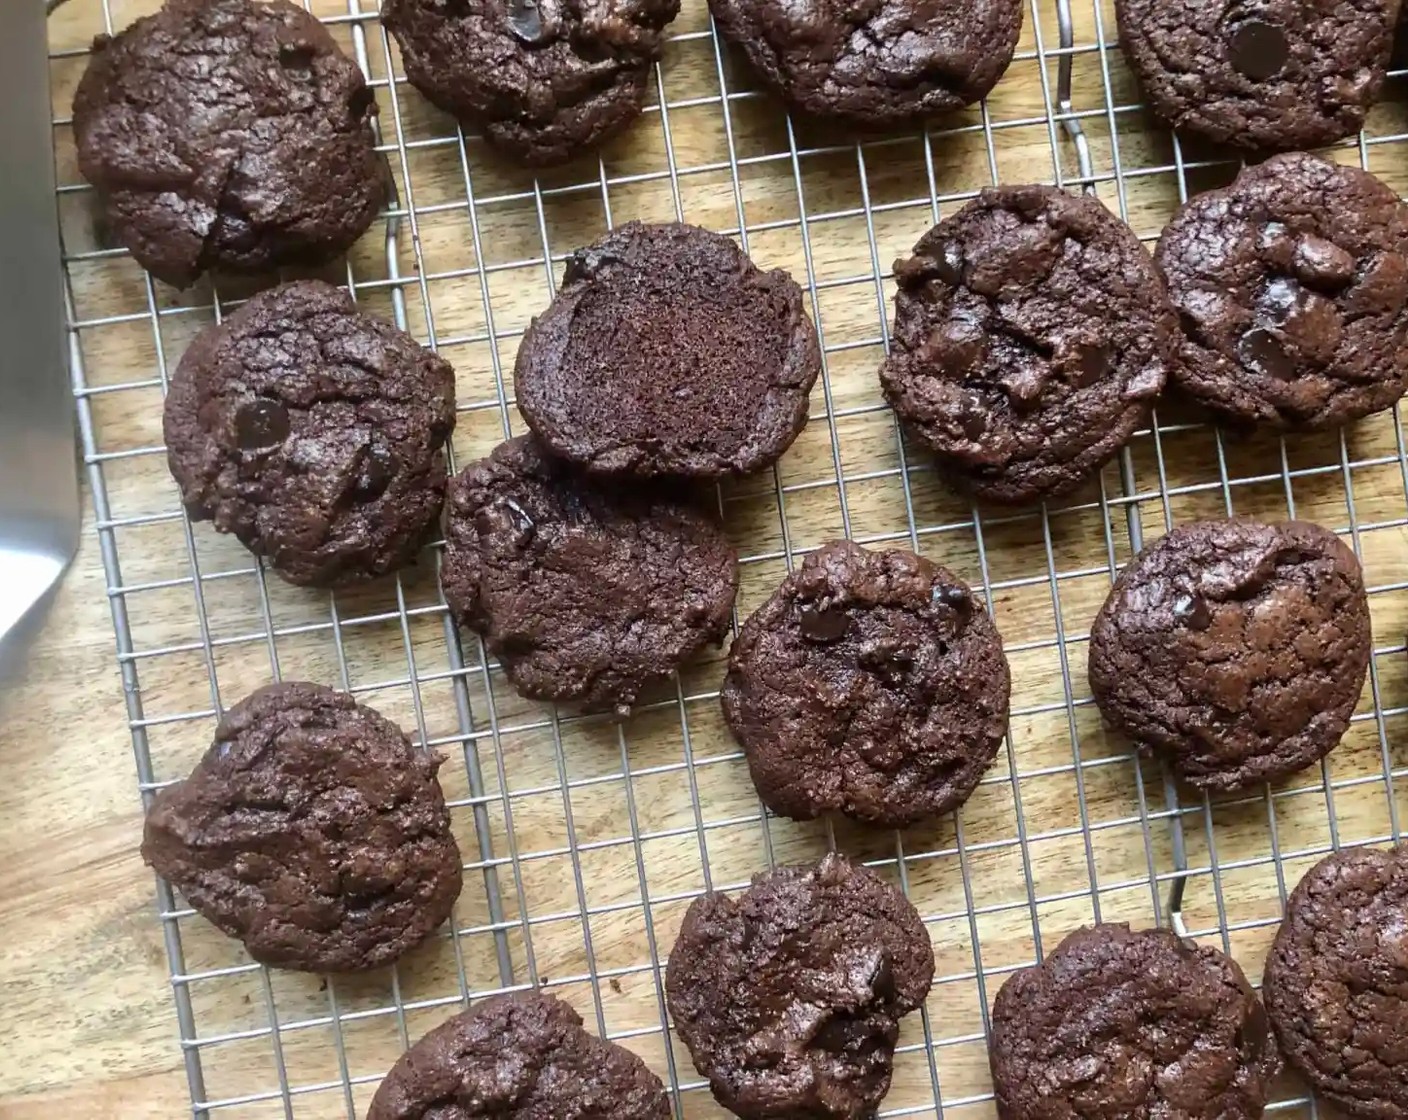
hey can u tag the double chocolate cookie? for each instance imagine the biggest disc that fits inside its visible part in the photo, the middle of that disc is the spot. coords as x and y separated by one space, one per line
229 134
789 996
874 65
1292 290
312 831
1133 1024
1234 650
314 433
1336 983
1032 334
518 1057
871 684
588 591
667 352
1267 74
542 79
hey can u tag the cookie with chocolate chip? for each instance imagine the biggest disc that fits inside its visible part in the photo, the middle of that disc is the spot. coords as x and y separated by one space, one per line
523 1056
543 80
312 830
1032 335
1235 650
1131 1023
314 433
871 684
1336 984
789 995
1292 291
229 134
588 590
883 65
668 352
1260 74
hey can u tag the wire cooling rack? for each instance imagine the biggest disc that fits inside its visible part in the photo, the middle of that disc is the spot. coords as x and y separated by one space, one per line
586 840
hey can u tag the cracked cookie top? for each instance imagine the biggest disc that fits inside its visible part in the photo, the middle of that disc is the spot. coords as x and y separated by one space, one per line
315 433
523 1056
588 591
872 684
1292 291
228 134
1235 650
1131 1023
1261 74
1032 334
543 79
312 831
875 63
1336 983
789 995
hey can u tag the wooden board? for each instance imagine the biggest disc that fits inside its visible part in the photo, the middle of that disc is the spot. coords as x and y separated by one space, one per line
1067 827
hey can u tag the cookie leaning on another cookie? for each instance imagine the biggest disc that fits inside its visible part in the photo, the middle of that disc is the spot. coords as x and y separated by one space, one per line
523 1056
312 830
668 352
1292 291
229 134
588 590
312 432
871 684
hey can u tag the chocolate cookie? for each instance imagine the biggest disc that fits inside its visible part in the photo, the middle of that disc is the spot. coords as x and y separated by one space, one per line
523 1056
1292 287
314 433
875 65
789 996
1336 982
312 830
229 134
667 352
1032 335
1132 1024
1234 650
542 79
871 684
1262 74
587 591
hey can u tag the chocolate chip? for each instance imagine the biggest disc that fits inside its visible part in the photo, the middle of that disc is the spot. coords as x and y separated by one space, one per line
1192 611
1263 352
362 103
1094 362
1322 263
296 56
948 263
974 425
525 20
1259 50
956 597
1280 298
521 520
823 625
261 424
377 470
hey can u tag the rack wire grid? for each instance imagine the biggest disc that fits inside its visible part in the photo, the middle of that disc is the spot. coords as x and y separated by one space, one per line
585 840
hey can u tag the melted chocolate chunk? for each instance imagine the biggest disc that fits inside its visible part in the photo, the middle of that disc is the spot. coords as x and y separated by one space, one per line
1259 50
261 423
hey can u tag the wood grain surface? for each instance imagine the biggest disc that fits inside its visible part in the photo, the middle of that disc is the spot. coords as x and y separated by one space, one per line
595 837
